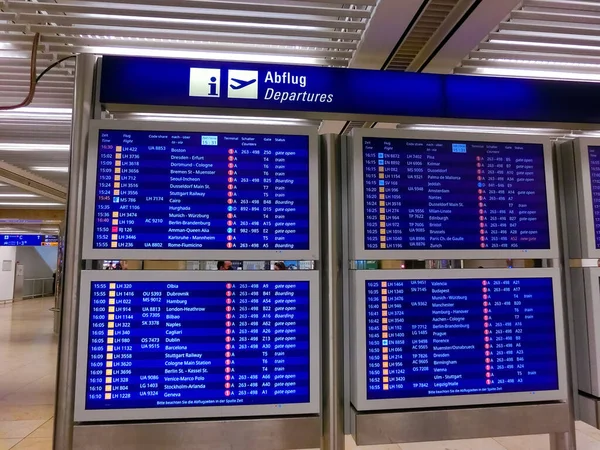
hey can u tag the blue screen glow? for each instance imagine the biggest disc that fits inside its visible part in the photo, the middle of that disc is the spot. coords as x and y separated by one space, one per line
172 190
594 157
428 338
179 344
444 195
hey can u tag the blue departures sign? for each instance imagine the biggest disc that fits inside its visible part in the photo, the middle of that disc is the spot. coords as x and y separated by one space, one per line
425 195
428 338
185 344
225 191
327 91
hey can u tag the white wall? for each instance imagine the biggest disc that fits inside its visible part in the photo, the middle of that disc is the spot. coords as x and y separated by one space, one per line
39 262
7 278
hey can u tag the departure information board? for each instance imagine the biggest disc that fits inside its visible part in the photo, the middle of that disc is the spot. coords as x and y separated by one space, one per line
442 337
172 344
202 191
594 158
454 195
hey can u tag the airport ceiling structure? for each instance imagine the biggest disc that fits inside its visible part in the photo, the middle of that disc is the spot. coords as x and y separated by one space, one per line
531 38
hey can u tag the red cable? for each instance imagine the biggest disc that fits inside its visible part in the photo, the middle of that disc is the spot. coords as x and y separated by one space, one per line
32 76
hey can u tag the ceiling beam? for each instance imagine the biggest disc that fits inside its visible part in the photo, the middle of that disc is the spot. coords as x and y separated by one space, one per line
382 34
444 30
484 19
187 14
51 215
23 179
379 41
253 7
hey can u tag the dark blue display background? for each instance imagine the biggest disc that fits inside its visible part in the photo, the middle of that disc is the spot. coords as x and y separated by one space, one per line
450 195
172 190
165 82
31 240
460 337
594 158
185 344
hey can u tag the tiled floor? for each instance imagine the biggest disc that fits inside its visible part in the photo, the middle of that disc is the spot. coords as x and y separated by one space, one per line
27 375
27 383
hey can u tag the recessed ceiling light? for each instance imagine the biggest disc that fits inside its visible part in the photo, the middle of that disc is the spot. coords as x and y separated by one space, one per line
30 204
18 195
189 54
50 169
19 147
546 74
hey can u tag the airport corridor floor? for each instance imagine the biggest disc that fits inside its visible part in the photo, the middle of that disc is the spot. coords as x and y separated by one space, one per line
28 350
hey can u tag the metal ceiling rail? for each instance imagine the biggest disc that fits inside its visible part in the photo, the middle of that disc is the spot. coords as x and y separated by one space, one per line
542 51
83 46
529 54
184 14
543 38
546 39
42 61
279 8
557 29
563 4
185 25
59 128
54 90
19 70
7 15
531 64
561 17
4 76
37 102
222 38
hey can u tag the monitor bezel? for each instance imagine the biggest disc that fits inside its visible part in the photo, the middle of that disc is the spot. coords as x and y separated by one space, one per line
357 201
359 349
201 412
591 290
310 254
584 197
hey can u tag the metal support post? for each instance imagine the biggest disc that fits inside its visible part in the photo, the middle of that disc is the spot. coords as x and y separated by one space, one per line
560 441
566 441
331 265
65 386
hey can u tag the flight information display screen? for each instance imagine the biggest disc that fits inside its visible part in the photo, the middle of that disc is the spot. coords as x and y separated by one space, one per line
226 191
180 344
446 195
594 158
428 338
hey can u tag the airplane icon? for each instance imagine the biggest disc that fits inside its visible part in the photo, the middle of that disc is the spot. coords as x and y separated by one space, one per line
240 84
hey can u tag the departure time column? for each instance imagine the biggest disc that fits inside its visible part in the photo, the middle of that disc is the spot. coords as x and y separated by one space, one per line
372 189
377 324
98 344
104 195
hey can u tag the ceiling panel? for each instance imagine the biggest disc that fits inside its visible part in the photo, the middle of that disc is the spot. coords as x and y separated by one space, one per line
310 32
542 39
435 20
